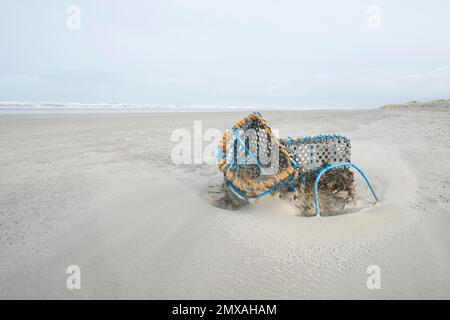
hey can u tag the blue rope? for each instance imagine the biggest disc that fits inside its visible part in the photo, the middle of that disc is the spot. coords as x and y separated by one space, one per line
245 147
342 164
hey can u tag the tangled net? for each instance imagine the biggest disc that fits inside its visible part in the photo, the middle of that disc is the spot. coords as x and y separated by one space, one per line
256 163
313 154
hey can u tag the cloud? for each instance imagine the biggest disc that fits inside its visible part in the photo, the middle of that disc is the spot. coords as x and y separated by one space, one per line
16 79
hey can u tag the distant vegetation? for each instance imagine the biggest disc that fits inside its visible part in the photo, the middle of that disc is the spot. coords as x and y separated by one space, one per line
442 104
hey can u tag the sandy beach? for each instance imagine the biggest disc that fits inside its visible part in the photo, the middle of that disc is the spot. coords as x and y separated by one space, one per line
101 191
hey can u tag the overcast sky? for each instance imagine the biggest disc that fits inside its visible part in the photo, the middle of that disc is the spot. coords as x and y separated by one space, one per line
312 53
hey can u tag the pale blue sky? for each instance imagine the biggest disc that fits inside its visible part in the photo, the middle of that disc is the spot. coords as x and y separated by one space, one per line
234 52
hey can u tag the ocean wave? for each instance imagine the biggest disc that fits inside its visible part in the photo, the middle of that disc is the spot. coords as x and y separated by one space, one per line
55 106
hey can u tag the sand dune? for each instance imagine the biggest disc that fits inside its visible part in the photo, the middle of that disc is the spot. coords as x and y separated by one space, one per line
101 192
441 104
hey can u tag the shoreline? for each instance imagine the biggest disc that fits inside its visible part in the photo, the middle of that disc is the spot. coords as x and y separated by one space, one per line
140 111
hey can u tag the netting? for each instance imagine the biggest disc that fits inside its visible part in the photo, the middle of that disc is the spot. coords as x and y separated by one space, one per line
253 160
256 163
313 152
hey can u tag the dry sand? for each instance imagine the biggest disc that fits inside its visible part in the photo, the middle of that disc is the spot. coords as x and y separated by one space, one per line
101 192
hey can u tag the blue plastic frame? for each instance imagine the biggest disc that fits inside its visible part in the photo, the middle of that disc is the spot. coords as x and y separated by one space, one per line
342 164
